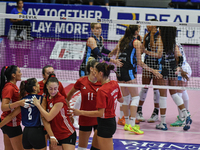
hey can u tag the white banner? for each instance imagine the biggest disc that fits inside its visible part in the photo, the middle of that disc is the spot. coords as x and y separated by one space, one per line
185 35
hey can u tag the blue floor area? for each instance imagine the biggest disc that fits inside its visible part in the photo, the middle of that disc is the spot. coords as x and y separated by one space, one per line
123 144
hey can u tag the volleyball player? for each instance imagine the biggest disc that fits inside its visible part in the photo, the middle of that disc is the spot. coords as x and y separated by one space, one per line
183 82
169 53
130 54
94 48
88 86
46 71
57 114
33 133
107 96
12 132
149 44
121 119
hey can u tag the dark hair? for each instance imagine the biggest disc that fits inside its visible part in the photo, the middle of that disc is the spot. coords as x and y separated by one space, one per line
44 68
51 78
19 1
105 68
91 63
6 76
27 86
128 36
168 36
154 20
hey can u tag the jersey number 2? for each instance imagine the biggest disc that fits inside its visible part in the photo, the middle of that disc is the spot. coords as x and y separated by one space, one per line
29 113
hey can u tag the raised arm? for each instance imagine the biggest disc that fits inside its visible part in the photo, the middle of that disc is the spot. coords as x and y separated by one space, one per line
137 45
48 115
6 105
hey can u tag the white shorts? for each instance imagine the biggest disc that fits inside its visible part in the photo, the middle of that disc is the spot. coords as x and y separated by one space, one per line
186 67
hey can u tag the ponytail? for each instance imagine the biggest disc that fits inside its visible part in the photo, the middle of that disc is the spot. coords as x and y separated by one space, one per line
6 76
27 87
105 68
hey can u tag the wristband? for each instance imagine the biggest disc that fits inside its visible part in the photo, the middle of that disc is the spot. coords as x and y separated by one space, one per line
53 137
9 106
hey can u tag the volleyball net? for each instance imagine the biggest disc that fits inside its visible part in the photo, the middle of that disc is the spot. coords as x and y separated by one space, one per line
61 43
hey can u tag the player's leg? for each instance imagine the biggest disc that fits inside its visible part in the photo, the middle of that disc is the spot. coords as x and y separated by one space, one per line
146 79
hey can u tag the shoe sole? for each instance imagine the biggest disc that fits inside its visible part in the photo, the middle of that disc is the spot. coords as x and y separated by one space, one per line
135 132
162 129
141 120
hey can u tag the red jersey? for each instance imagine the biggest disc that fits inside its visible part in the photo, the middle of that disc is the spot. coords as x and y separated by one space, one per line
107 96
60 89
11 92
60 124
88 94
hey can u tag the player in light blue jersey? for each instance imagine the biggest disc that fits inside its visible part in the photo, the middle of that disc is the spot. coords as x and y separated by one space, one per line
183 82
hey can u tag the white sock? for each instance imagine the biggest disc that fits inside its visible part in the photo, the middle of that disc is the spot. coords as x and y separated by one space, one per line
163 118
184 112
81 148
186 99
132 121
126 119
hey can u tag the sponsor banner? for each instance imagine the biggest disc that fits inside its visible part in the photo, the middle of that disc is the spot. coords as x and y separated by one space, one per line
107 16
184 35
64 12
68 50
124 144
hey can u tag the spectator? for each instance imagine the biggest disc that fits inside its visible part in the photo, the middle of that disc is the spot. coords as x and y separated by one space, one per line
20 24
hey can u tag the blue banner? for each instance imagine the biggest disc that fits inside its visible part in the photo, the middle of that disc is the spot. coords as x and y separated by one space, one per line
61 29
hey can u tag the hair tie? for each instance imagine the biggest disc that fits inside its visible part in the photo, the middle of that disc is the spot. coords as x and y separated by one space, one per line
6 67
25 82
53 76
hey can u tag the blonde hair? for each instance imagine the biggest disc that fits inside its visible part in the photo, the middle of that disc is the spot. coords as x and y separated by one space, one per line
93 24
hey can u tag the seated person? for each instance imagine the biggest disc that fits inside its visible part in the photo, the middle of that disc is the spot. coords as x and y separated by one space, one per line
20 24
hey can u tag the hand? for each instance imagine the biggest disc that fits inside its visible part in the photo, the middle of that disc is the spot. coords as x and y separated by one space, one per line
184 75
76 112
157 74
53 141
25 103
36 101
178 69
117 62
153 31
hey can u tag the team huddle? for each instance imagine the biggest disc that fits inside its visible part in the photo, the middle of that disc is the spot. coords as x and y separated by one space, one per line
43 107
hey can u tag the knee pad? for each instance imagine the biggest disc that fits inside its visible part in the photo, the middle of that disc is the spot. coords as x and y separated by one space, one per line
77 104
143 94
156 96
185 96
135 101
177 99
126 100
163 102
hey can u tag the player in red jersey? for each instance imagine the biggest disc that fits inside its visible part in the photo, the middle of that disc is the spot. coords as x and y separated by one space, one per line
107 96
57 114
9 94
88 86
46 71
